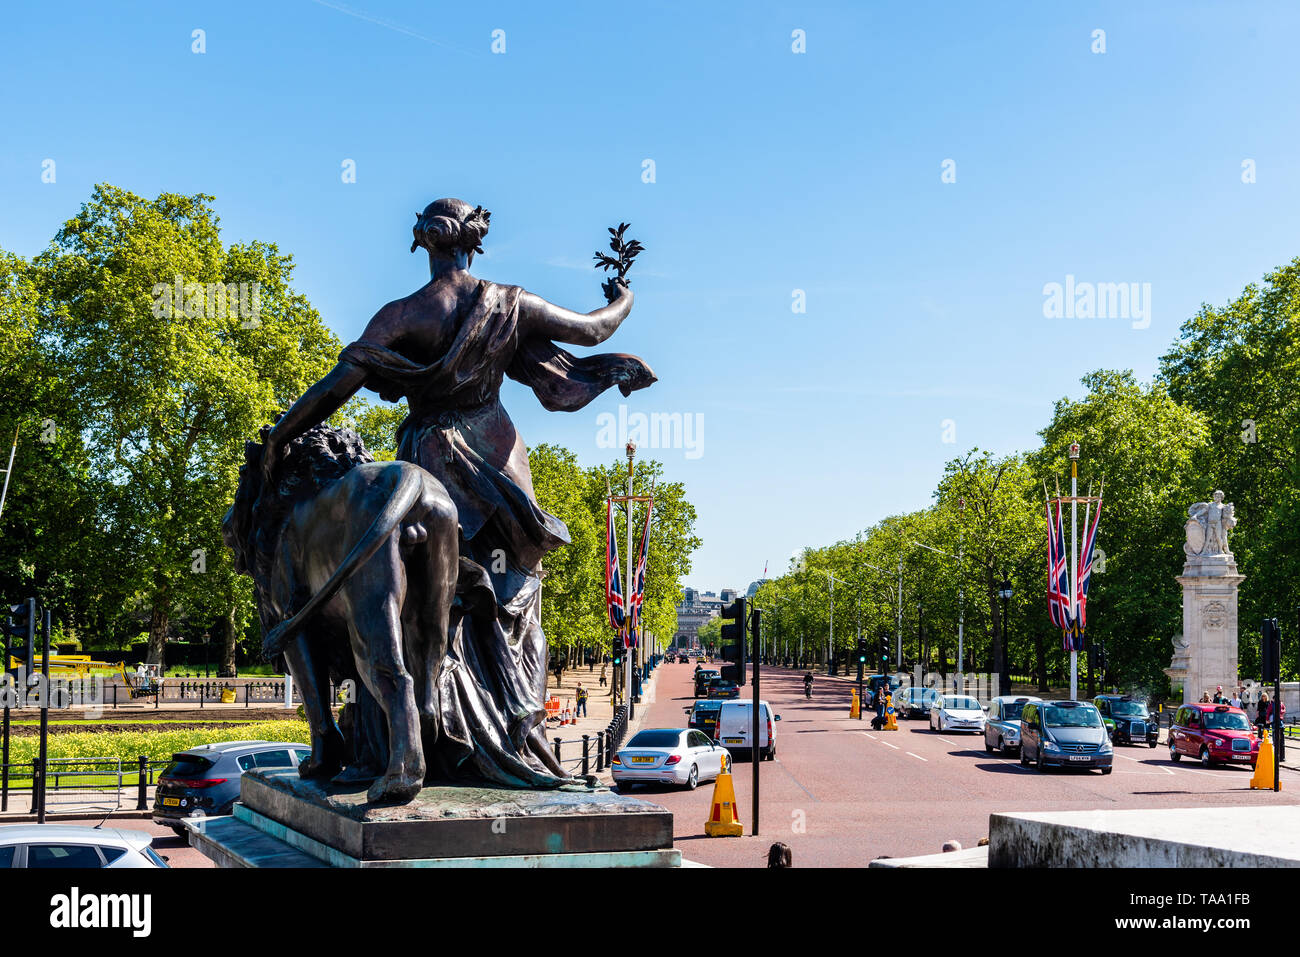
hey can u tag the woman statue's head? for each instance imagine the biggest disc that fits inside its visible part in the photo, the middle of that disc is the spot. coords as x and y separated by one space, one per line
452 228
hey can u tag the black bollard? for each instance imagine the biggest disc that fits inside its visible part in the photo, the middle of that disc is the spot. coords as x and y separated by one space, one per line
142 796
556 744
586 767
600 751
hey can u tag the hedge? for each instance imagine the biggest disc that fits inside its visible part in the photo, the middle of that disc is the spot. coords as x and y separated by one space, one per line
157 745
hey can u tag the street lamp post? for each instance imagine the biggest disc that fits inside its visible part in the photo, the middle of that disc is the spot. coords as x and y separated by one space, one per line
1005 594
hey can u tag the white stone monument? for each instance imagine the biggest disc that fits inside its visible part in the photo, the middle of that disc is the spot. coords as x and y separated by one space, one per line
1205 654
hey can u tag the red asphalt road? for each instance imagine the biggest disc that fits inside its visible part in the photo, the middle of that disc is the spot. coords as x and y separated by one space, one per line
841 794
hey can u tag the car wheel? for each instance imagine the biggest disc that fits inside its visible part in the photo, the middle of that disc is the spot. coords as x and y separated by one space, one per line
693 779
988 747
1152 744
179 830
1024 760
1038 763
1174 755
1205 757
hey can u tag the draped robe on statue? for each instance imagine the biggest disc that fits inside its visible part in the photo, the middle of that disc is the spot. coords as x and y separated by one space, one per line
491 720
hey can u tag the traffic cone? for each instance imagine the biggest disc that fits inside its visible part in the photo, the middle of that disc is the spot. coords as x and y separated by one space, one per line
722 820
855 706
891 719
1263 777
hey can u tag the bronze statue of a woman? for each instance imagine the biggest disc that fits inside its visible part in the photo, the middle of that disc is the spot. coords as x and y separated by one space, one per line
446 348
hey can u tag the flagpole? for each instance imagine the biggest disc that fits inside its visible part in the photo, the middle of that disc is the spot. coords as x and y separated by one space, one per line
627 592
1074 569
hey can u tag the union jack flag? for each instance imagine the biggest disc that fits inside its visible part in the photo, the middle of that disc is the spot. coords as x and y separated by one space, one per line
1058 582
638 580
613 581
1085 569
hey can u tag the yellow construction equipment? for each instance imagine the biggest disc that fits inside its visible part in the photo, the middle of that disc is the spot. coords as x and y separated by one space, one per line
855 705
723 821
1263 778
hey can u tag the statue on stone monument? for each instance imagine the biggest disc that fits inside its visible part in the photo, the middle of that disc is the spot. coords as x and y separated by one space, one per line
446 349
1208 526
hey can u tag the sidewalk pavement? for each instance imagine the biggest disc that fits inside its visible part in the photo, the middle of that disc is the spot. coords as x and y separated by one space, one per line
600 712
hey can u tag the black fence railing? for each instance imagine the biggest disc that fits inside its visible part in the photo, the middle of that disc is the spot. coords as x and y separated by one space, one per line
114 694
98 782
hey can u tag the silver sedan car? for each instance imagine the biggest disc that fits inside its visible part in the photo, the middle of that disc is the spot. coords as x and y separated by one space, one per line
678 756
1002 730
66 845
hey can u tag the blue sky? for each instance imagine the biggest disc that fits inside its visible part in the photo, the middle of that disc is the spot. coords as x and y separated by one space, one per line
775 171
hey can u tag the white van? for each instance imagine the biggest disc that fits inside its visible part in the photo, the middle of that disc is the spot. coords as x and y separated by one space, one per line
736 726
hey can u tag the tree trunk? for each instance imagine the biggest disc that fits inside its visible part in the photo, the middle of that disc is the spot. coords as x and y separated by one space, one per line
229 639
998 651
1040 654
159 622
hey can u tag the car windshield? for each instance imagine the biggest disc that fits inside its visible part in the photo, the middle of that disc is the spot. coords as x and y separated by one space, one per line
1226 721
1011 710
963 704
1057 717
656 739
1135 708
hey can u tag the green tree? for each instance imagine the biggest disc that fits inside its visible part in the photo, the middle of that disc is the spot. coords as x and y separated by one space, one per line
164 389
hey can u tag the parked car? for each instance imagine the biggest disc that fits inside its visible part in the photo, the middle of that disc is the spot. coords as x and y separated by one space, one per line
915 702
703 716
956 712
65 845
702 678
1128 720
680 756
204 781
1064 734
1002 727
736 728
722 688
1213 733
874 681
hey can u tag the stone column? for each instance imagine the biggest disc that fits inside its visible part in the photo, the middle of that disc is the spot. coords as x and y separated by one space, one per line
1206 654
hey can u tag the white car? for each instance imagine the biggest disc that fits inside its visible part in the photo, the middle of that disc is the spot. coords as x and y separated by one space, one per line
736 728
680 756
66 845
957 712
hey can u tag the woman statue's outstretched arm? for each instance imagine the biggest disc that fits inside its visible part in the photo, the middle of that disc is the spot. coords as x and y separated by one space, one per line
312 408
542 318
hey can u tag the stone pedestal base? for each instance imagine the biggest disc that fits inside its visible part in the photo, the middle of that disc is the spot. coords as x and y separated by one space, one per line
284 821
1206 657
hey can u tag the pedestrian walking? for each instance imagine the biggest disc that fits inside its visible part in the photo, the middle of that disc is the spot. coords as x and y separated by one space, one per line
602 675
1262 710
581 696
778 855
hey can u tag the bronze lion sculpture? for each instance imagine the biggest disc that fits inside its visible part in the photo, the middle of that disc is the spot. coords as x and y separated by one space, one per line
354 563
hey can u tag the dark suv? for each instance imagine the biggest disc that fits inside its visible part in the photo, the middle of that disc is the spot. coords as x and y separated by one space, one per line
1128 719
204 781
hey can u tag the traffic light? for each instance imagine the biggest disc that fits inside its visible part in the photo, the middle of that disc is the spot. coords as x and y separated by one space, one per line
862 651
884 652
616 652
732 640
22 625
1271 650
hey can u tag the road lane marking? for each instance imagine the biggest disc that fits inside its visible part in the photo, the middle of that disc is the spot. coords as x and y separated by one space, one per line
888 745
865 735
918 757
946 741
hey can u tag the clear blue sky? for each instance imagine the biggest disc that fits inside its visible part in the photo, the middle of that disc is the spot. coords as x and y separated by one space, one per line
775 171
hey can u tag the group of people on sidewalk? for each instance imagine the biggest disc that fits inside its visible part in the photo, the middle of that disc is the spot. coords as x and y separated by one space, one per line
1264 708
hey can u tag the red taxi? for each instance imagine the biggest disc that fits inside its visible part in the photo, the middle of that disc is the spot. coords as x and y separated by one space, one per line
1213 733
